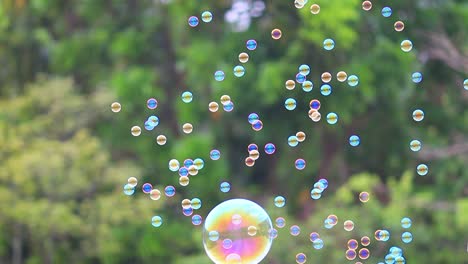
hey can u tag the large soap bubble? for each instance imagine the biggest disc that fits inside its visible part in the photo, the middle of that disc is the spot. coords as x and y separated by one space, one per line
237 231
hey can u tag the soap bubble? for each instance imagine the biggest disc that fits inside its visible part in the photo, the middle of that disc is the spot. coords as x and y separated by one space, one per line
128 189
187 97
193 21
399 26
354 140
156 221
366 5
136 131
219 76
225 187
116 107
422 169
406 45
276 34
280 201
152 103
161 140
406 237
328 44
215 154
207 16
301 258
315 9
251 44
386 11
406 222
243 57
239 71
234 242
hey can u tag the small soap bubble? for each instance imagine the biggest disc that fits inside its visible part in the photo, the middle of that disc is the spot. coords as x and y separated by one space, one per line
307 86
325 90
174 165
128 189
228 107
253 117
207 16
156 221
169 191
196 220
301 258
249 162
364 253
301 136
193 21
341 76
294 230
422 169
132 181
416 77
348 225
415 145
239 71
243 57
300 164
332 118
196 203
219 75
351 254
155 194
225 99
365 241
215 154
367 5
399 26
270 148
406 222
418 115
353 80
225 187
290 84
293 141
152 103
318 243
314 9
136 131
353 244
326 77
276 34
304 69
213 107
364 197
328 44
406 45
280 201
251 44
184 180
161 140
314 104
146 188
354 140
300 78
187 97
406 237
116 107
280 222
386 11
313 236
257 125
187 128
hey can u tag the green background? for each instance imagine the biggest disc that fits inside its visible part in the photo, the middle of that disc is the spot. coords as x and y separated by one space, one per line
64 156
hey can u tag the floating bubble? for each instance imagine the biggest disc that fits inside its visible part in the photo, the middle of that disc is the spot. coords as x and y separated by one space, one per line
332 118
169 191
318 243
188 163
353 80
294 230
348 225
307 86
219 76
341 76
280 222
301 136
174 165
128 189
396 251
400 260
314 115
313 236
213 236
327 223
406 45
254 154
207 16
213 107
300 78
132 181
149 126
304 69
418 115
215 154
300 164
199 163
383 235
293 141
251 147
406 237
116 107
156 221
399 26
328 44
184 180
236 243
187 97
415 145
228 107
152 103
389 259
187 128
465 84
350 254
314 104
155 194
354 140
253 117
386 11
364 253
299 4
249 162
161 140
136 131
364 197
367 5
353 244
290 84
192 170
280 201
193 21
276 34
416 77
257 125
251 230
315 194
365 241
422 169
225 99
326 77
225 187
270 148
183 171
196 203
315 9
251 44
243 57
186 203
147 187
301 258
290 104
273 233
197 220
325 90
406 222
239 71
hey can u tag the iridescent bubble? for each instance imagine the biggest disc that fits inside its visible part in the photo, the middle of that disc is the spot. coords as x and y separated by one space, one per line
348 225
253 117
252 230
257 125
465 84
196 203
333 219
237 244
353 80
314 236
254 154
116 107
415 145
314 104
367 5
128 189
406 45
156 221
389 259
132 181
152 103
386 11
400 260
293 141
207 16
187 97
396 251
327 223
326 77
239 71
280 222
219 76
318 243
228 107
328 44
365 241
136 131
184 180
290 84
300 164
364 197
198 163
300 78
353 244
155 194
332 118
197 220
418 115
213 107
364 253
307 86
325 90
314 115
187 128
251 147
183 171
315 9
270 148
351 254
406 222
192 170
290 104
153 120
251 44
174 165
186 203
276 34
301 136
146 188
301 258
161 140
149 126
354 140
383 235
294 230
169 191
225 99
215 154
315 194
225 187
341 76
213 236
422 169
187 211
406 237
280 201
243 57
249 162
304 69
193 21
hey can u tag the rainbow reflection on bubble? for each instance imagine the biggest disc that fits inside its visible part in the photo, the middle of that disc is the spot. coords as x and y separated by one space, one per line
232 220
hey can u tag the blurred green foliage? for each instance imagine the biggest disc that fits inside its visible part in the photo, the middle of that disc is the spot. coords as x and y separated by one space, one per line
64 156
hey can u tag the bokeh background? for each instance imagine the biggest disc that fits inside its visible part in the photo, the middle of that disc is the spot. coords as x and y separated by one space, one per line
64 156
